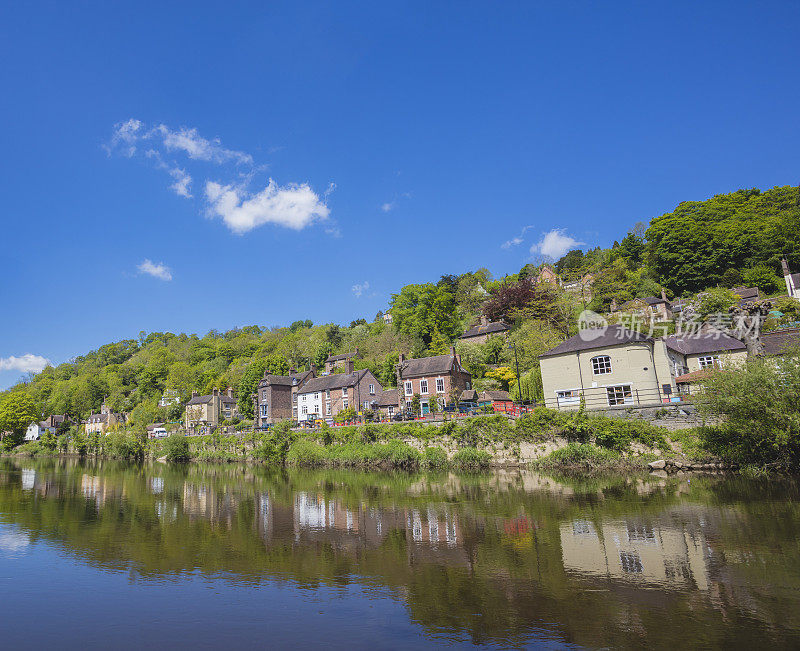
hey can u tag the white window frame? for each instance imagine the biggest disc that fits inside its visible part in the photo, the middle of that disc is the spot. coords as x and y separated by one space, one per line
563 399
708 361
423 387
264 410
327 407
614 400
345 403
601 365
344 392
305 410
372 389
408 405
468 386
366 405
439 385
408 385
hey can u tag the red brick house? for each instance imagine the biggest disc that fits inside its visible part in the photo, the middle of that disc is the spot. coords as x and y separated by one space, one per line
276 397
437 378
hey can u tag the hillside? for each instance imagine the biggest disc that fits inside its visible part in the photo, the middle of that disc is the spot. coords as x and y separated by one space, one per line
729 239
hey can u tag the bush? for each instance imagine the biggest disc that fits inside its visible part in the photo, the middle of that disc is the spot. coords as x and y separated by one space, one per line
433 459
471 459
176 448
578 454
759 413
123 445
306 453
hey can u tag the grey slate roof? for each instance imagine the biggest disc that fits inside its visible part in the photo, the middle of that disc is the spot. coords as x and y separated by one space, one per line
388 398
590 339
437 365
495 395
489 328
746 292
335 381
778 342
710 341
336 358
204 400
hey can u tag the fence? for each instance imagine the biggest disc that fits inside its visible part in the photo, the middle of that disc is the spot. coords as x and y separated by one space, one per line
620 396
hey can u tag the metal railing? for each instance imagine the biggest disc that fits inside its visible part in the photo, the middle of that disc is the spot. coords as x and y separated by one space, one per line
616 397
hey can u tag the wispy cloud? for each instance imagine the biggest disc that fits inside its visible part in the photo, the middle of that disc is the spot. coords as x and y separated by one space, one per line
27 363
359 288
156 270
555 243
516 241
387 207
293 205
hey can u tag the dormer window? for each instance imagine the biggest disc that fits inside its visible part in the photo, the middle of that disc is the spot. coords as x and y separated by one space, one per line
601 365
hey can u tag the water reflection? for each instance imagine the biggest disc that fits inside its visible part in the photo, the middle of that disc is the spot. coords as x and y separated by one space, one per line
504 559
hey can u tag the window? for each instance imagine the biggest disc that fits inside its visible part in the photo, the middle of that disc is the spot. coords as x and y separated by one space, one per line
345 403
304 397
372 389
409 388
344 392
366 405
423 386
620 395
328 407
601 365
391 410
264 411
328 394
708 361
439 385
568 397
408 405
305 409
630 562
316 396
468 386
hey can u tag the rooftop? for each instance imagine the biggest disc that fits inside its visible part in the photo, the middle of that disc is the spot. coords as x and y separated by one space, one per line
336 381
438 364
489 328
708 341
592 338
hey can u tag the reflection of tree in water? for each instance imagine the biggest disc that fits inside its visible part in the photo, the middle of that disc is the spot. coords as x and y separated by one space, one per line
490 559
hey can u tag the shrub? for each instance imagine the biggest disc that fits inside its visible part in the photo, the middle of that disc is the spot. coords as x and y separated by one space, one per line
471 459
123 444
578 454
176 448
306 453
433 458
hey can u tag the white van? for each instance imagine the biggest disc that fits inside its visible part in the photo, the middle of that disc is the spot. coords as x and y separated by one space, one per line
159 433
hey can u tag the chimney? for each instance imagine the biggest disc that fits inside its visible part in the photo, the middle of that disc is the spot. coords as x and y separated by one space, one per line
195 394
230 392
313 368
401 358
292 371
215 392
663 294
349 365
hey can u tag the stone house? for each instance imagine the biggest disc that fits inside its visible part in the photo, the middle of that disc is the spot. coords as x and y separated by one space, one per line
276 397
388 403
485 329
101 422
440 378
747 295
610 367
324 397
650 308
693 356
212 409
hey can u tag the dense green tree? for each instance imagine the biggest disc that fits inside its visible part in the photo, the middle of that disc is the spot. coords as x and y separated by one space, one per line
420 310
17 411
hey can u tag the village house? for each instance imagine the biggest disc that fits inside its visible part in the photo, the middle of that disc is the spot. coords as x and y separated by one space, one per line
168 398
792 280
582 286
50 424
610 367
747 295
692 356
212 409
324 397
339 362
102 422
648 309
388 403
484 330
437 378
276 397
499 400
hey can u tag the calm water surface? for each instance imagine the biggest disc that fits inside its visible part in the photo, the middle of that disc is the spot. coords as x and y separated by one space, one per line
109 555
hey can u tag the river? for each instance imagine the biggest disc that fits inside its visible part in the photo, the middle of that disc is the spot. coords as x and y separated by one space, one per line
102 554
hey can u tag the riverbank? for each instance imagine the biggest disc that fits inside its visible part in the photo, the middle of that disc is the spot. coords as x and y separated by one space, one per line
543 439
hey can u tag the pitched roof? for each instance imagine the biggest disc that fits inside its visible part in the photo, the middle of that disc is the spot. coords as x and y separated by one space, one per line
335 381
336 358
778 342
655 300
495 395
204 400
478 330
694 376
592 338
435 365
708 341
746 292
387 398
468 395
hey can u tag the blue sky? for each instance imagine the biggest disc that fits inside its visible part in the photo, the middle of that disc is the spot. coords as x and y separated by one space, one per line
191 166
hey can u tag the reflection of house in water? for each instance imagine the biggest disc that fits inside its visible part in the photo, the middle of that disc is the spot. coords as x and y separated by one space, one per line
206 503
635 551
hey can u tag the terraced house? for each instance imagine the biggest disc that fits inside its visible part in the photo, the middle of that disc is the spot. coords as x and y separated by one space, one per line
212 409
276 397
324 397
440 378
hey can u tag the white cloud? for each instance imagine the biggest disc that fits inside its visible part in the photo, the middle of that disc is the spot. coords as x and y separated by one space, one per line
13 541
195 146
555 243
156 270
360 288
27 363
294 206
126 134
516 241
182 182
387 207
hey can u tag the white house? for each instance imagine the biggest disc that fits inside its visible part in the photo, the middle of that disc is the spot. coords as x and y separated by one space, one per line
35 431
792 280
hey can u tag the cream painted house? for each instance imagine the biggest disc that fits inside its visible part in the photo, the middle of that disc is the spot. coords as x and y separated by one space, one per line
102 422
211 409
609 367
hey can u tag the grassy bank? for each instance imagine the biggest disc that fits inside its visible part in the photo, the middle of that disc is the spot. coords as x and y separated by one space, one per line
546 438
